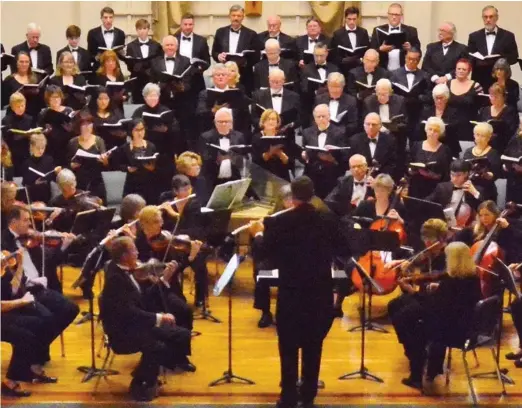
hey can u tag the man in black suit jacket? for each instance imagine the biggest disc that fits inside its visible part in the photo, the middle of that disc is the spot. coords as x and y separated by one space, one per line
392 58
301 244
273 60
235 38
489 41
80 55
339 104
350 36
106 36
286 42
377 147
306 43
132 328
441 57
220 166
40 54
384 97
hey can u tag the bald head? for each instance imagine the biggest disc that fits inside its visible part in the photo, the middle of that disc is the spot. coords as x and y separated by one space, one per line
170 45
322 116
276 79
272 50
370 60
273 24
372 124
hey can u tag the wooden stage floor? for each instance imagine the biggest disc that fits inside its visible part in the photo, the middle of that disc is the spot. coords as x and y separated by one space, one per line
255 356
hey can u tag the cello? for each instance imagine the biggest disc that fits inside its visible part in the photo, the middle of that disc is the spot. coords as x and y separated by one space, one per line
372 261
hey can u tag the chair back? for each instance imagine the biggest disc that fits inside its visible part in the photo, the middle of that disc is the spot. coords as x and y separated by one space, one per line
485 321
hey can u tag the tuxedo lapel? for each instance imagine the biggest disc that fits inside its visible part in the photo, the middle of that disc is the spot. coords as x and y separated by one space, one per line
267 100
226 39
498 41
242 43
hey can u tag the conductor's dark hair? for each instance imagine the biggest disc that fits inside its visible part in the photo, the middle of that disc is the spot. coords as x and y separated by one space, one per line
352 10
303 188
130 206
73 31
106 10
180 181
15 213
460 165
119 247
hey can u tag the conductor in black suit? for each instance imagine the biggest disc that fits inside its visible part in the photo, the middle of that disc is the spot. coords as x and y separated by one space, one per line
350 36
306 43
272 61
287 43
441 57
235 38
81 55
40 54
301 244
392 58
106 36
491 40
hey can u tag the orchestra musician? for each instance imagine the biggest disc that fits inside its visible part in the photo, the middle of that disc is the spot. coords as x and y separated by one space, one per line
514 170
9 190
6 162
516 315
189 164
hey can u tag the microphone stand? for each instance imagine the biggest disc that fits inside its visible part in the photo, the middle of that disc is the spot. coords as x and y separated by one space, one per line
369 284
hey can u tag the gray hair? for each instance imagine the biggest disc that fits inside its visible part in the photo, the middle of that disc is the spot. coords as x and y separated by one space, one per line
219 67
235 7
272 43
276 72
151 88
130 205
385 181
321 46
441 90
222 111
453 26
384 83
66 178
436 121
33 27
322 106
502 65
336 77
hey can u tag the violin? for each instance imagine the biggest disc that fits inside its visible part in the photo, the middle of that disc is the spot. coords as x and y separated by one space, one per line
8 260
164 241
34 239
420 278
41 211
464 214
420 257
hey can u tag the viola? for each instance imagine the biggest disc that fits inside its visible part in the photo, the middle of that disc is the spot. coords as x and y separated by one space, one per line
464 214
421 257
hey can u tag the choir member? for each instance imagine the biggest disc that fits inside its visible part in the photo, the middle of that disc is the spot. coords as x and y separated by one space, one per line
109 72
67 74
343 107
377 147
273 61
350 36
441 57
141 50
221 166
40 54
514 170
385 103
39 186
441 109
106 114
353 189
5 63
491 40
88 169
286 42
502 76
105 37
463 98
434 155
323 167
17 118
234 76
491 170
141 174
81 56
306 43
236 38
189 164
56 122
504 118
391 57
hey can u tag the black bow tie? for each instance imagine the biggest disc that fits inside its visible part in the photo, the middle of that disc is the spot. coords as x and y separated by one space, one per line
374 141
274 38
34 48
334 99
445 46
321 66
410 72
73 49
456 188
108 31
359 183
351 31
235 31
395 29
224 137
144 43
312 41
183 38
277 95
491 33
170 59
273 65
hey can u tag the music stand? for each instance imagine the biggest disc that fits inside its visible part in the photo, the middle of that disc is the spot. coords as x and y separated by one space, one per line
374 241
420 211
224 281
507 280
370 285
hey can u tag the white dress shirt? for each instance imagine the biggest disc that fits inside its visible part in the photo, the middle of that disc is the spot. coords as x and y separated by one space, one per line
369 79
185 47
233 40
74 52
456 196
108 37
384 112
394 56
225 168
321 139
410 77
334 108
33 54
169 66
144 48
352 37
490 40
373 146
311 44
358 192
30 271
322 72
445 48
277 102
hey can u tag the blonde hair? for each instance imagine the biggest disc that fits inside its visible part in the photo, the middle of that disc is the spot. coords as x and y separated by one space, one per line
459 262
436 121
434 229
149 214
266 115
484 129
16 98
384 181
8 190
63 55
37 138
479 231
184 161
233 80
6 158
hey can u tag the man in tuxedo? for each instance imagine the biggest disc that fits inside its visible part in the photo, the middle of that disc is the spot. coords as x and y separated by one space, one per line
220 166
441 57
142 48
319 70
236 38
132 328
324 167
491 40
283 101
343 107
273 61
306 43
286 42
301 244
81 55
391 57
377 147
350 36
40 54
106 36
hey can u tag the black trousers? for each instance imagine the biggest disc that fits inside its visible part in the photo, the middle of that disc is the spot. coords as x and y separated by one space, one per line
516 315
261 294
171 301
199 266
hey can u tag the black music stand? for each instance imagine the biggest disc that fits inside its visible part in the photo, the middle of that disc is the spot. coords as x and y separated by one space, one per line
374 241
507 282
369 285
226 280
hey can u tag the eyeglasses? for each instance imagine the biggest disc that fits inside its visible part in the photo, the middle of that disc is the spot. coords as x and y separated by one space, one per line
140 129
394 14
223 122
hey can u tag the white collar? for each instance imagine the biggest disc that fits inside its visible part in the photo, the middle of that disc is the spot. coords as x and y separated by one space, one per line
14 233
143 42
349 29
448 44
105 29
272 91
311 39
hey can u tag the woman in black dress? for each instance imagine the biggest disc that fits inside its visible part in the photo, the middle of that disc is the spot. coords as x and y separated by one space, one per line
504 118
88 169
105 114
502 74
66 77
485 180
141 174
108 72
189 164
434 155
512 170
57 123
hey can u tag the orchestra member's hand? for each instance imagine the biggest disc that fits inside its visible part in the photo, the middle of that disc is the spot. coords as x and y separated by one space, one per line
369 181
393 263
168 319
149 166
406 286
301 63
432 287
502 222
395 215
75 165
406 46
470 188
516 269
195 246
255 227
170 270
57 169
130 231
304 156
132 169
27 299
222 57
168 208
385 48
67 240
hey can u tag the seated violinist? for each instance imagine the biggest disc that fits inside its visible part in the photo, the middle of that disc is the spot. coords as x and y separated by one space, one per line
9 190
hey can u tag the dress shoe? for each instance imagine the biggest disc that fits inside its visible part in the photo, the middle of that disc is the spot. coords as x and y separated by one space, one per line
283 404
14 392
514 356
142 391
518 363
43 379
266 320
412 382
187 367
304 404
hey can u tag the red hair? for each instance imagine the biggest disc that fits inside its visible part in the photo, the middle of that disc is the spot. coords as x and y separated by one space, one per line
464 61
